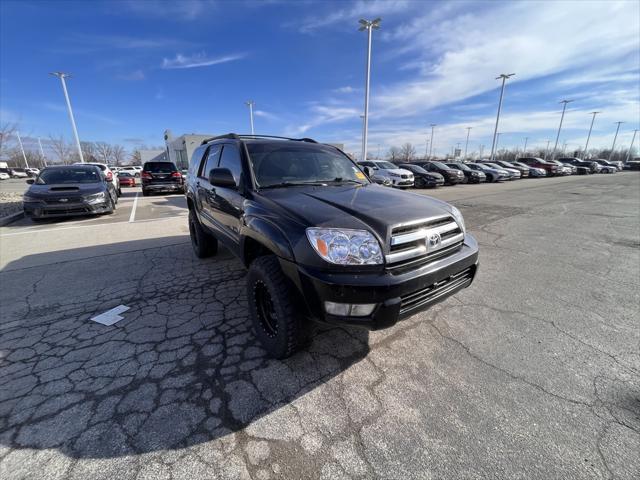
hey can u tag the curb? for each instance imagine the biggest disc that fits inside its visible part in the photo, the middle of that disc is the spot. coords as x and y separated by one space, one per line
10 218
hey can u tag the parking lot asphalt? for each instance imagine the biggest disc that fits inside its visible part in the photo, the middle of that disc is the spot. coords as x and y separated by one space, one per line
532 372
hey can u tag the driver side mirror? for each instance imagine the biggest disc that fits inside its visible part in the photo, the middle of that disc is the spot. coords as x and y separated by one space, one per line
30 181
222 177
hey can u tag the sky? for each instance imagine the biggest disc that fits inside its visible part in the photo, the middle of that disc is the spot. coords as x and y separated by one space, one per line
142 66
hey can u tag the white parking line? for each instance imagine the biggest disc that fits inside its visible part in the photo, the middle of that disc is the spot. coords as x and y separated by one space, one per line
132 217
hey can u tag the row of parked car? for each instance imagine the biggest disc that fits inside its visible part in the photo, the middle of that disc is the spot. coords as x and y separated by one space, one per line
431 174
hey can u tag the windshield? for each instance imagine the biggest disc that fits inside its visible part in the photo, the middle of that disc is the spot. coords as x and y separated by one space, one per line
279 163
506 164
414 168
124 174
57 176
386 165
160 167
493 165
440 165
459 166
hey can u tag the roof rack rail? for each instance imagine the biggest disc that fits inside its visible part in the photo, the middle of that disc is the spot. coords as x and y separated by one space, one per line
235 136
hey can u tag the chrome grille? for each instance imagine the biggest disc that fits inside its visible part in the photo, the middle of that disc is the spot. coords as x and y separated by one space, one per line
424 241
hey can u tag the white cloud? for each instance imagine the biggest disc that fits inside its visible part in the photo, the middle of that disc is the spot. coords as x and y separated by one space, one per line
198 60
180 10
345 89
267 115
368 9
460 56
136 75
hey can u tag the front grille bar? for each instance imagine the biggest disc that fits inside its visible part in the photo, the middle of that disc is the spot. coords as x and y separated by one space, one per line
436 291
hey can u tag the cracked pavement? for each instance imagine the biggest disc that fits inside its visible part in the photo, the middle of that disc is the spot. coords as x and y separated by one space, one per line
533 372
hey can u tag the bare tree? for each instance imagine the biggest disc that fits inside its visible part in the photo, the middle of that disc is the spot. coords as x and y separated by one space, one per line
393 154
7 130
104 152
407 152
136 157
118 155
88 151
61 149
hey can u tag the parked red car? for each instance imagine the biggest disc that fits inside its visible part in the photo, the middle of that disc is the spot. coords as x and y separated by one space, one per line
126 179
550 168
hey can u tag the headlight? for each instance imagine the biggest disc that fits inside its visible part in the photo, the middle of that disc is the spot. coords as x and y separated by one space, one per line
29 198
457 215
345 247
95 198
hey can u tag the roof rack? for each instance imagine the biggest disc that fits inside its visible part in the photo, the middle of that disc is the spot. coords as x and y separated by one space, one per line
235 136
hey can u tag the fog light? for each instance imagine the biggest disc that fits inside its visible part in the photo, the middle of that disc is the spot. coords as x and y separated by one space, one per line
349 309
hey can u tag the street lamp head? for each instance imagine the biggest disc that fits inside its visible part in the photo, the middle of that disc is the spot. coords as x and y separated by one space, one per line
505 75
565 101
249 103
366 24
60 74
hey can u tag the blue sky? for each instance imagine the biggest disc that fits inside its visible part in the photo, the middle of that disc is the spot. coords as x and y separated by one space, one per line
140 67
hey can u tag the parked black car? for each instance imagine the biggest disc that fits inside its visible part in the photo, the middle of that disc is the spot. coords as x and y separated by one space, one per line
471 176
422 178
451 176
320 240
70 190
161 177
592 166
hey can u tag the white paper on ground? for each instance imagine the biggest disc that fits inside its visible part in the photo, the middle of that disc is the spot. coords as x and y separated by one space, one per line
111 316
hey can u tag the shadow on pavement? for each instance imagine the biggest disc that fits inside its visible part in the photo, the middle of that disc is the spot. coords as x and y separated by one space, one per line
182 368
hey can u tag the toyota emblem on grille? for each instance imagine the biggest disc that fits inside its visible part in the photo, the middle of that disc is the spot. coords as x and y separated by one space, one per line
434 239
63 200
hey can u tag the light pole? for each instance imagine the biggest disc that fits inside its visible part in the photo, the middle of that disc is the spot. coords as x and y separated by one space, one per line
44 159
524 150
614 140
497 141
631 146
62 76
26 164
431 141
369 26
564 147
466 145
250 104
593 119
504 77
426 150
564 107
481 151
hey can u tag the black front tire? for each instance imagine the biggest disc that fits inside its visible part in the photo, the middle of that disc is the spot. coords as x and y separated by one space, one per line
277 318
145 193
204 245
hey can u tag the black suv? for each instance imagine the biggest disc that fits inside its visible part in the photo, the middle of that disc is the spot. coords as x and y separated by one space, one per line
320 240
161 177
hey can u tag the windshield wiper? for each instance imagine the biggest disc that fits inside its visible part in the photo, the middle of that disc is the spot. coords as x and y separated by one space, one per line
344 180
294 184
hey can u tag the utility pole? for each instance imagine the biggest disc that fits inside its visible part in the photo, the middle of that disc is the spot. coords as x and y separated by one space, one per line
504 77
481 151
62 76
631 146
369 26
524 150
614 140
250 104
44 159
431 142
426 149
26 164
564 107
593 119
466 145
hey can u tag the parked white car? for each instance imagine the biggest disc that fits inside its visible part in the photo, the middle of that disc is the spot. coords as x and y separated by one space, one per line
134 170
19 173
4 176
398 177
111 177
32 172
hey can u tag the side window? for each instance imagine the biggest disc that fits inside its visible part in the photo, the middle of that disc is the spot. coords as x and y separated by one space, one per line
210 161
231 159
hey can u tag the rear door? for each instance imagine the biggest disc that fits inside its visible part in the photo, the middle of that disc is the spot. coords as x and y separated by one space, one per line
205 194
228 201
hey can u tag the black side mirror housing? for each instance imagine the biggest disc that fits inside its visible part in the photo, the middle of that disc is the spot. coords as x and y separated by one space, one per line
30 181
222 177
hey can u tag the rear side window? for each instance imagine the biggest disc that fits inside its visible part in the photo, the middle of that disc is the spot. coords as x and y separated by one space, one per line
210 161
196 159
231 159
160 167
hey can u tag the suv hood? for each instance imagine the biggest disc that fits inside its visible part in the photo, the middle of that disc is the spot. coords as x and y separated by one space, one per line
372 207
64 190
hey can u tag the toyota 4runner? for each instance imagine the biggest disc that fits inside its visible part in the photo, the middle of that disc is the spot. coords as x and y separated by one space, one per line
320 240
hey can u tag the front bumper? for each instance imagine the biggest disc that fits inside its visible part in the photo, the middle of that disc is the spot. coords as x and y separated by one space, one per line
44 210
402 182
397 296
